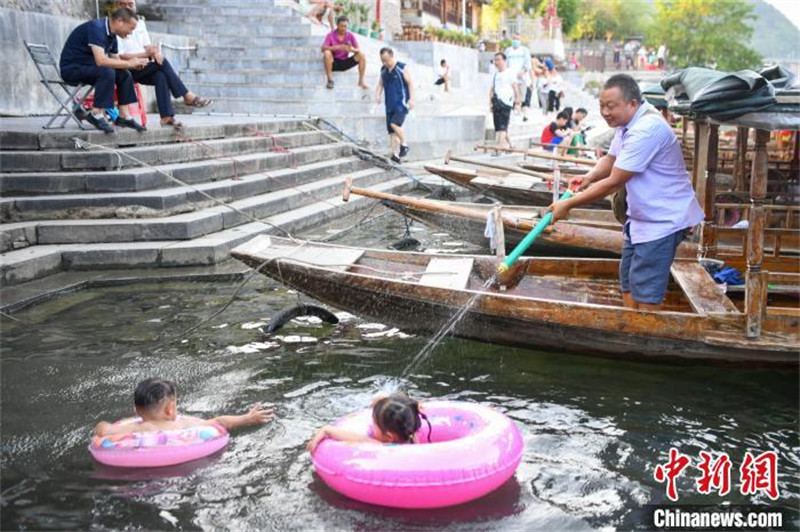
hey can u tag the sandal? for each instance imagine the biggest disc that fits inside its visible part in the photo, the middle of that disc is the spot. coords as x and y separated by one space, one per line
199 101
172 121
329 84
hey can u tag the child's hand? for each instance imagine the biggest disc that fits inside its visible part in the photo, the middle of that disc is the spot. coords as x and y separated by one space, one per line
101 428
258 415
318 437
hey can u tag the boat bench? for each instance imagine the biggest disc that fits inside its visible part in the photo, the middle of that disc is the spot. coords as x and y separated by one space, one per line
452 274
703 293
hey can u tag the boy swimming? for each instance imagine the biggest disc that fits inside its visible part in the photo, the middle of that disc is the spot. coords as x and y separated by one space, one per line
395 419
156 403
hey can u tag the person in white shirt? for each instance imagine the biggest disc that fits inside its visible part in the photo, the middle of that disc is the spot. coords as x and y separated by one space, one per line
158 72
503 95
519 62
661 56
444 75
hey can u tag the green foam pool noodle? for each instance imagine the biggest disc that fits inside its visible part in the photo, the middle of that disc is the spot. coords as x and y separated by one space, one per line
509 261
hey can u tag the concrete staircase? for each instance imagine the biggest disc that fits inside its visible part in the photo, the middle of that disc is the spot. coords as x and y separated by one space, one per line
264 59
65 208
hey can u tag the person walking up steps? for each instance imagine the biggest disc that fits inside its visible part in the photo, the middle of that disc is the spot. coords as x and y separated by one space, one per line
503 95
396 82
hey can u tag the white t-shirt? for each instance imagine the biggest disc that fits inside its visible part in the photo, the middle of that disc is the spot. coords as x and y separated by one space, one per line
503 83
136 41
519 60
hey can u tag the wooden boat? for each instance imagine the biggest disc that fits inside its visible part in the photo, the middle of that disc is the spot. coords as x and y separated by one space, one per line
548 303
511 189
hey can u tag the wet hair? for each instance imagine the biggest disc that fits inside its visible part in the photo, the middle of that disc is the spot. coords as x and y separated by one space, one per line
581 110
342 18
386 50
151 392
124 14
398 414
563 114
501 54
627 85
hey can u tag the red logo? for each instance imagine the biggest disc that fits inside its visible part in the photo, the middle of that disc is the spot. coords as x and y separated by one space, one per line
672 470
760 474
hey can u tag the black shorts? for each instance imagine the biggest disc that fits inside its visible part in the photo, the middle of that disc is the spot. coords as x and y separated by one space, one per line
527 102
396 117
501 114
439 81
340 65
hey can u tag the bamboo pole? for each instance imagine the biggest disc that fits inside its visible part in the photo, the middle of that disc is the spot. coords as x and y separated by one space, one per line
702 128
511 169
539 153
756 278
740 159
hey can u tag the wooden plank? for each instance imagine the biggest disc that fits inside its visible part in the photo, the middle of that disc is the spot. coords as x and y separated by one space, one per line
703 293
452 274
330 257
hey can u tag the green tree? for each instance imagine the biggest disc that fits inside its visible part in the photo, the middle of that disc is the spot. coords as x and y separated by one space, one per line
610 19
700 32
568 13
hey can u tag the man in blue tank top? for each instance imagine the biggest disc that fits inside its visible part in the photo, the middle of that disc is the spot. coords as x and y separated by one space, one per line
396 82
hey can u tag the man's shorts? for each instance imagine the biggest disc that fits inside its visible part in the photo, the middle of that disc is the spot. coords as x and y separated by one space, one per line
501 115
644 268
340 65
396 117
527 101
439 81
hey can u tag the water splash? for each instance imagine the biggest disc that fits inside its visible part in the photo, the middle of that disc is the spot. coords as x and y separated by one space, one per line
446 329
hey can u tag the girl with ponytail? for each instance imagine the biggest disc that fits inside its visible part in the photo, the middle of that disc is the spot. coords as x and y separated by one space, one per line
395 420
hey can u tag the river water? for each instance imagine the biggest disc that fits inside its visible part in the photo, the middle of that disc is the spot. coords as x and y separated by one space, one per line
594 428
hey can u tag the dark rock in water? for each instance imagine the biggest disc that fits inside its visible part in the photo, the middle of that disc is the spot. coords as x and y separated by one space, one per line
285 316
405 244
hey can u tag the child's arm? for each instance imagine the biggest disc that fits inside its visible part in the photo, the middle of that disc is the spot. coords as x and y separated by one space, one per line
337 434
256 416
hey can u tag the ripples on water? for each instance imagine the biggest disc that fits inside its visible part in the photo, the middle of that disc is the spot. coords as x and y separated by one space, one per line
594 428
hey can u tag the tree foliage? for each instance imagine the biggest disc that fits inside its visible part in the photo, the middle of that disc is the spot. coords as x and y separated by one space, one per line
610 19
701 32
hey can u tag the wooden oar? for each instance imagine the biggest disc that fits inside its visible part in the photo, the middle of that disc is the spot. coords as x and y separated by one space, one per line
425 205
511 169
538 153
548 145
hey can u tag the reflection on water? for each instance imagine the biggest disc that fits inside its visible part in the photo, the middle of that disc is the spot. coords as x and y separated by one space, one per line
594 428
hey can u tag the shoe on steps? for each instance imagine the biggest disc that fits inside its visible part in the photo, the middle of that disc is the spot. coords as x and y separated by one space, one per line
403 151
100 123
130 123
396 159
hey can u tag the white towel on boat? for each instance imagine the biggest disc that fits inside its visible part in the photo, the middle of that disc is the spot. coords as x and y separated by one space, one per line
489 231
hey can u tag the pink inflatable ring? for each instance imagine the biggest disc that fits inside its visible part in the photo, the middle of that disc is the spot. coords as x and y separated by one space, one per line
158 448
474 450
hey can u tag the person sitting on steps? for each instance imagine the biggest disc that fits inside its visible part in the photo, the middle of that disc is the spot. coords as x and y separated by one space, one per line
90 56
320 7
336 50
158 72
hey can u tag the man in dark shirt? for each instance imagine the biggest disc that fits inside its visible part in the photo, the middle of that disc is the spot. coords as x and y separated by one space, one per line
90 56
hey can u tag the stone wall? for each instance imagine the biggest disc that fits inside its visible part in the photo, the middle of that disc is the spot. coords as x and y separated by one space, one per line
66 8
22 93
463 61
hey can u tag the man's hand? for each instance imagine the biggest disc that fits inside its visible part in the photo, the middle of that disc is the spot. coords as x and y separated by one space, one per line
159 58
560 210
151 50
137 63
258 415
410 105
579 183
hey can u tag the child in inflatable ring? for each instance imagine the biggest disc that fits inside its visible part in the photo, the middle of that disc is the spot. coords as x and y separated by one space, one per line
156 403
395 419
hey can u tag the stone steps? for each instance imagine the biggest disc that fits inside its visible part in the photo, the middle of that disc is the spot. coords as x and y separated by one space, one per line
12 139
99 159
168 200
141 179
39 261
293 191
